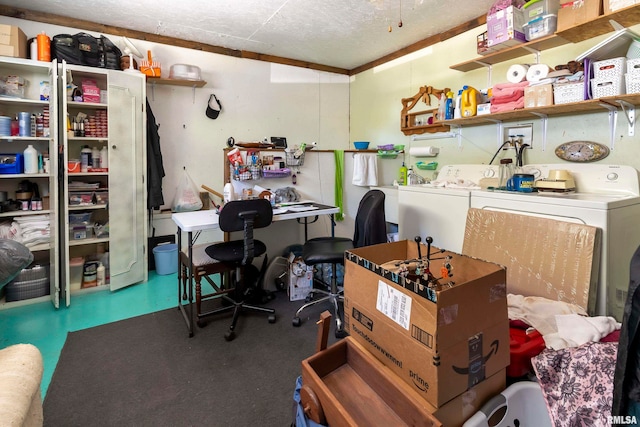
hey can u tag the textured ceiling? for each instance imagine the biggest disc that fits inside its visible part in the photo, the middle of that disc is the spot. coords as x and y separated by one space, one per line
338 33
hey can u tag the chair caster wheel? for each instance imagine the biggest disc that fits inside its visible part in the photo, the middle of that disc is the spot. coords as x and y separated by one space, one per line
341 333
201 323
272 318
296 321
229 336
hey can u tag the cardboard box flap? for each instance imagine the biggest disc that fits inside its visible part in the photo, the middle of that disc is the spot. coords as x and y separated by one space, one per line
553 259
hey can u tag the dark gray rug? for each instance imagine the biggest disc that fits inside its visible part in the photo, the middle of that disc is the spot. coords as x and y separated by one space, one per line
146 371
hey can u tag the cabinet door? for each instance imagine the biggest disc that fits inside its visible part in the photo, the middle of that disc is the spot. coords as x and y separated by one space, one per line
127 168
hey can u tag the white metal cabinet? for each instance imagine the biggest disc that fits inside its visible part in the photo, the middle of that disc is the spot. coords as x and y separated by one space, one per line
122 184
45 251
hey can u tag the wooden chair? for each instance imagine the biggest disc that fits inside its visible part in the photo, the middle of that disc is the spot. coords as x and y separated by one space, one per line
203 267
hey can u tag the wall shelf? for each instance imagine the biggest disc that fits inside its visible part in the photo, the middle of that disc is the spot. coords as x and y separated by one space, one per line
175 82
625 17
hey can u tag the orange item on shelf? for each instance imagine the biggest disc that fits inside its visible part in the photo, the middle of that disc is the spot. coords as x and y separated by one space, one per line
44 47
149 67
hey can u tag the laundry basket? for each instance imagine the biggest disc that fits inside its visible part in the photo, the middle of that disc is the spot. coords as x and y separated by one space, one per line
521 404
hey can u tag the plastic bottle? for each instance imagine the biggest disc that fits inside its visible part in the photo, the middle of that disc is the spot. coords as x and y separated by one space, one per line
402 179
506 173
457 112
442 107
30 160
104 157
469 101
101 274
44 47
228 192
448 106
33 49
95 157
85 158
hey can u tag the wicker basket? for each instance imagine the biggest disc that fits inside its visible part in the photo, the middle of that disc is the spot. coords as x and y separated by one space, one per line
568 92
609 69
611 86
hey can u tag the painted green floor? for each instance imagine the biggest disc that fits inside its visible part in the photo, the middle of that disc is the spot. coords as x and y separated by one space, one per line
46 327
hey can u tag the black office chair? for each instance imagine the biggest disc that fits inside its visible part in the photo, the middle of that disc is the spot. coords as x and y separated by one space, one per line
370 229
242 215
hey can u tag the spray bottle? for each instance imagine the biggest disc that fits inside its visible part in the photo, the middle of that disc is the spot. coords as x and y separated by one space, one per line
457 112
448 106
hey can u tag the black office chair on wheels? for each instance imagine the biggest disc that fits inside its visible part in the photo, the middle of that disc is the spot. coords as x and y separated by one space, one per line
242 215
370 229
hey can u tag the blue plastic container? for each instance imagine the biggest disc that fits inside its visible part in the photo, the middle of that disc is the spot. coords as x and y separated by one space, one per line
166 258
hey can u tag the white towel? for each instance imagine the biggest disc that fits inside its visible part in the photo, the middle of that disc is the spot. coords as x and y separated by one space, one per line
365 169
575 330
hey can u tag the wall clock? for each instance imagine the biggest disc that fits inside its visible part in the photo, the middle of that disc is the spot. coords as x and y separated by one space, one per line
582 151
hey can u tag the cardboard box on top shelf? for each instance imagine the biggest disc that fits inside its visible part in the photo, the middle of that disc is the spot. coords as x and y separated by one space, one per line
576 12
13 41
538 95
615 5
442 341
504 28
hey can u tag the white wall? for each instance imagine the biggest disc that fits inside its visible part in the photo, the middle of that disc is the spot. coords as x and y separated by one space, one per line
376 95
259 100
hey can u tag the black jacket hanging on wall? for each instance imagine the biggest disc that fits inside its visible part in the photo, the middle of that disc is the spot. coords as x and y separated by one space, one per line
155 169
626 383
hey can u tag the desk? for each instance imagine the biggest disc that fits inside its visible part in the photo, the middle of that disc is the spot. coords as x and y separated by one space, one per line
198 221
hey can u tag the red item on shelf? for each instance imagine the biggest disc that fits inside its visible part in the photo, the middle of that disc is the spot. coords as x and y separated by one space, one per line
523 347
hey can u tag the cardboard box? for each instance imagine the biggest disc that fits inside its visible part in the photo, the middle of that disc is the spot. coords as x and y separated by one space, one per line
538 95
614 5
439 341
577 12
504 28
300 279
13 42
461 408
552 259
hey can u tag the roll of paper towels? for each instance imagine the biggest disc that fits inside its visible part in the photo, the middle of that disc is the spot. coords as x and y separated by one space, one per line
537 72
424 151
517 73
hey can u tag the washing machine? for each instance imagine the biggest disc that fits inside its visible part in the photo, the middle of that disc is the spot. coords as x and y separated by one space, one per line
439 209
605 196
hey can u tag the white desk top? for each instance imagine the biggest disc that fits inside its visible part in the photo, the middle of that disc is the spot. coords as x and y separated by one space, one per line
208 219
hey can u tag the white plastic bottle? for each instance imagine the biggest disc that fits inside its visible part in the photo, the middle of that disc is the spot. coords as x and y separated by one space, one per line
101 275
104 157
457 112
229 193
95 157
85 158
30 160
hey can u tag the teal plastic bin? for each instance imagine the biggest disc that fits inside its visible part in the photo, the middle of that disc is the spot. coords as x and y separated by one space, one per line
166 258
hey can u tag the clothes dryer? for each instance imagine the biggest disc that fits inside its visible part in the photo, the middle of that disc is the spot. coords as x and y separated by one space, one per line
439 209
605 196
